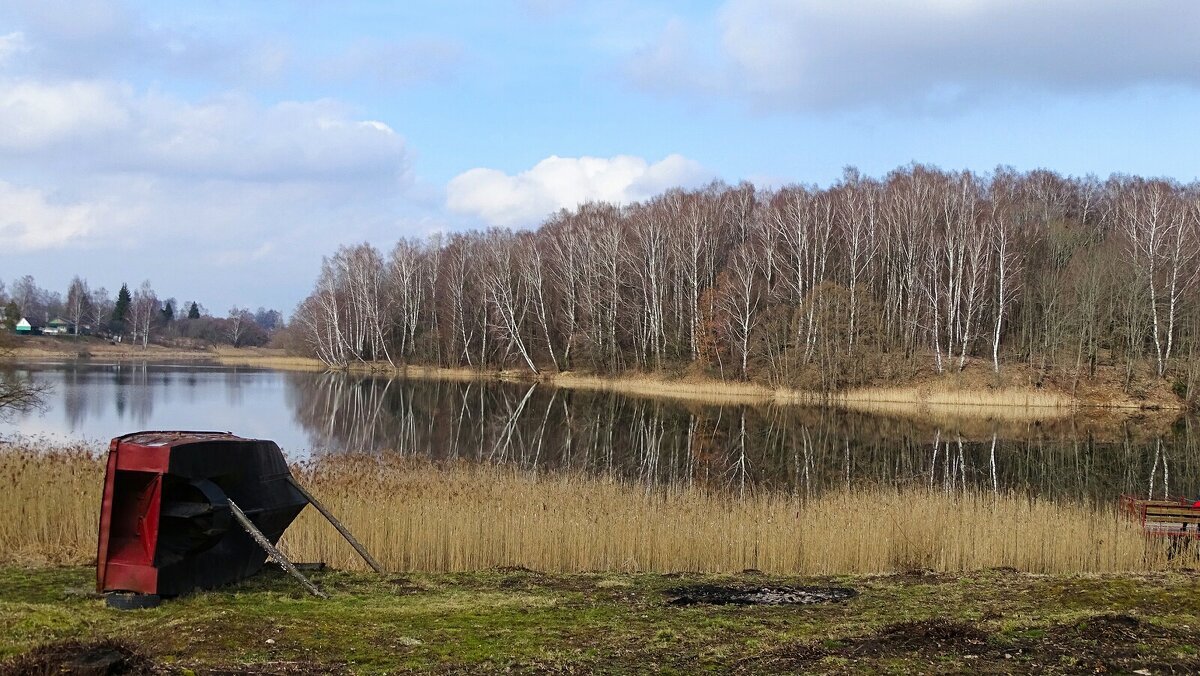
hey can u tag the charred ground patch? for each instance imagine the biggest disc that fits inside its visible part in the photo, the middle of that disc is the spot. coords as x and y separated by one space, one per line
757 595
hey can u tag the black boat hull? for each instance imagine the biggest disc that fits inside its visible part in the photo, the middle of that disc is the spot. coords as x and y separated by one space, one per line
165 525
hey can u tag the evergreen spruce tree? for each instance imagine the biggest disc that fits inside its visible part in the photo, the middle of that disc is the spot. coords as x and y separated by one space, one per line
120 310
168 312
12 315
194 311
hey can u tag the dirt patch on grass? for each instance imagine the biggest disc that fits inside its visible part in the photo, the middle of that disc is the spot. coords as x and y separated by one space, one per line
1098 644
107 657
918 576
272 669
1111 642
83 658
1113 629
927 637
757 596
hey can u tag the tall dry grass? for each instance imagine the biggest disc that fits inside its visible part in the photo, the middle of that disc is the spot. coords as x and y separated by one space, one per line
414 516
49 505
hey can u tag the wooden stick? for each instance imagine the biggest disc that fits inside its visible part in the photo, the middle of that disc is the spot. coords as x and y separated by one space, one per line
362 551
271 550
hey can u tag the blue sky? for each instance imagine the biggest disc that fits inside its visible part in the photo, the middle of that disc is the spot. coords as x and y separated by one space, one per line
220 149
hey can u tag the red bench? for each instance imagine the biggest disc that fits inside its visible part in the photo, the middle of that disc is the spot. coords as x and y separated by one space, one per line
1166 518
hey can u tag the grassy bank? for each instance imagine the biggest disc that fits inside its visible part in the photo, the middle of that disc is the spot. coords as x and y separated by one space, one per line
42 348
417 517
521 621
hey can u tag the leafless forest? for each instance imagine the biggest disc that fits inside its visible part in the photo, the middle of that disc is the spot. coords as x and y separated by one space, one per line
868 281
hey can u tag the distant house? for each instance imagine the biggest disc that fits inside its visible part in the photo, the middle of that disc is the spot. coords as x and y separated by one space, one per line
58 327
24 327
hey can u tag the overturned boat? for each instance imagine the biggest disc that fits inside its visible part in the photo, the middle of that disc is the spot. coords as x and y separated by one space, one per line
195 510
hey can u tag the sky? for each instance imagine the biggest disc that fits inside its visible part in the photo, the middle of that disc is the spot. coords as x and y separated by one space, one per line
220 149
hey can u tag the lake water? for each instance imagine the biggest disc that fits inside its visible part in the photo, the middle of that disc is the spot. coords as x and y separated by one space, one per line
656 442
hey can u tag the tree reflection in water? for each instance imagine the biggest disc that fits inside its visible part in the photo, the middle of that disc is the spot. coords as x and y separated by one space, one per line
737 448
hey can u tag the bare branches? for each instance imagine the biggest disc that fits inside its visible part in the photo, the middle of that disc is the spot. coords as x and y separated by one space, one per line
18 393
920 270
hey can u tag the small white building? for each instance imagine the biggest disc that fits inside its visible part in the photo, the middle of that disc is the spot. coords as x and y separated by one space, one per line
24 326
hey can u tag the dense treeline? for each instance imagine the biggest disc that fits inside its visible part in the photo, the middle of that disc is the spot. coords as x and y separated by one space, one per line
869 280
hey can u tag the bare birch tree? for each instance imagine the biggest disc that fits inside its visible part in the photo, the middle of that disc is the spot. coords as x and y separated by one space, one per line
78 300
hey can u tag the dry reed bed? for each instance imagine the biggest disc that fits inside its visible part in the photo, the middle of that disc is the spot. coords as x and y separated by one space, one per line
943 399
414 516
1007 403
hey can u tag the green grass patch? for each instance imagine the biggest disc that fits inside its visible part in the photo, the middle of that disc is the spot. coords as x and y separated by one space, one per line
525 621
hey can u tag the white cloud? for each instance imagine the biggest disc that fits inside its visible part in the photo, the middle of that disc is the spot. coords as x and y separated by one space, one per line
234 137
813 54
109 127
31 221
565 182
38 115
10 44
95 169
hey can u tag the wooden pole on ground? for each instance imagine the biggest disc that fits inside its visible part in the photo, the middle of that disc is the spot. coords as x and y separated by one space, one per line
271 550
362 551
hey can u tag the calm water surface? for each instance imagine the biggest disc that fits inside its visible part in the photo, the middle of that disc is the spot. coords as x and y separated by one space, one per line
657 442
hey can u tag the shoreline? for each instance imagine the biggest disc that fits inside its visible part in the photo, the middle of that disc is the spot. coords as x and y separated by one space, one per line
968 395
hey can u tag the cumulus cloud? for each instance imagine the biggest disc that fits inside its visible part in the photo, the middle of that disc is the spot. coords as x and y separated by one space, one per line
108 126
30 220
565 182
813 54
42 116
95 167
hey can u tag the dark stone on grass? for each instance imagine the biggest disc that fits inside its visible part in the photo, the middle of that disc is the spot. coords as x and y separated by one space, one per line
758 596
128 601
